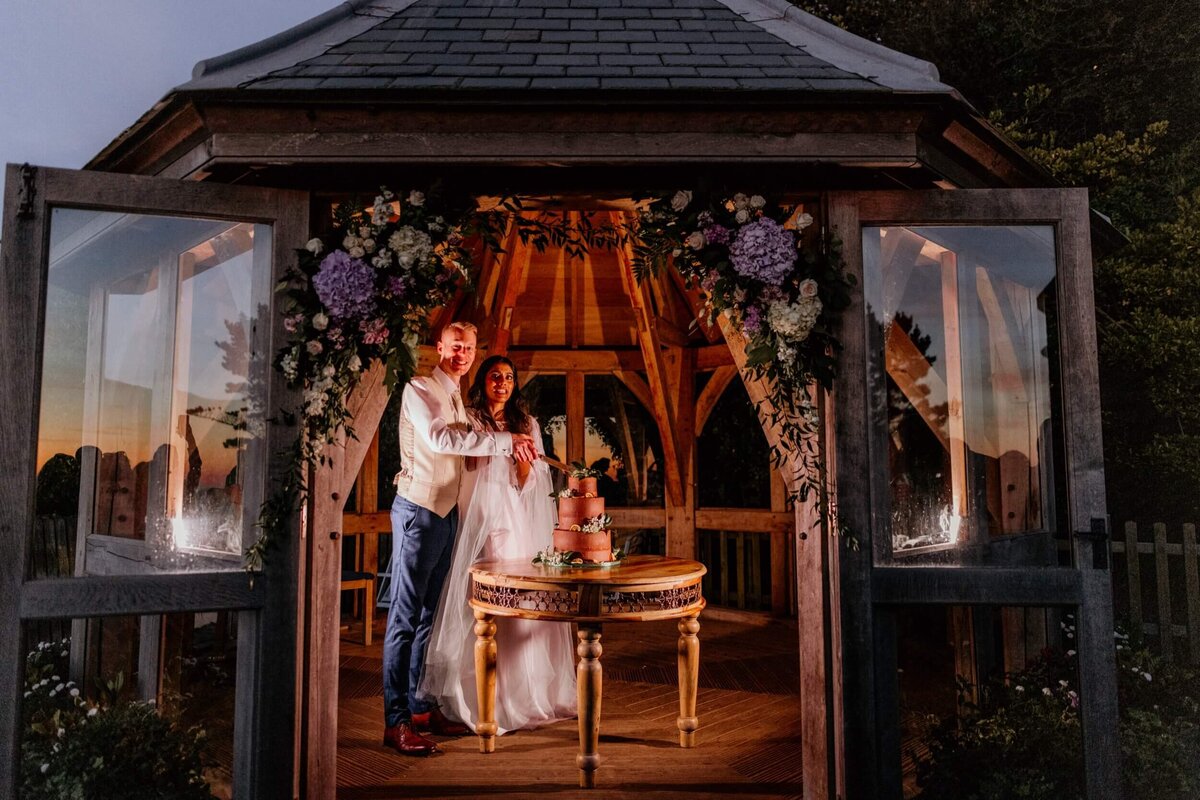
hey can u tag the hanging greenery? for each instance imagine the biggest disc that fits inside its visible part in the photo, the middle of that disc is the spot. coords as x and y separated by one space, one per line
368 296
778 280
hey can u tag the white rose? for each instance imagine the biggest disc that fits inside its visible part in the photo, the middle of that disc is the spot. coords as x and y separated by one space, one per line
803 221
369 245
355 363
320 321
314 348
742 216
329 371
681 200
757 201
740 201
364 231
696 240
314 246
416 198
350 241
808 288
356 252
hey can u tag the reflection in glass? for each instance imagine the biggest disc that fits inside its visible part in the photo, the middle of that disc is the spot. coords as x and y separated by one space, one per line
622 442
184 663
967 321
153 373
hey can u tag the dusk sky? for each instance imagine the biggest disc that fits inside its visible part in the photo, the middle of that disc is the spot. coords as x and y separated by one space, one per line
74 74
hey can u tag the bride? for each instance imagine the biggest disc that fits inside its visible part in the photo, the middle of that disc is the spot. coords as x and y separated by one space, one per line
508 514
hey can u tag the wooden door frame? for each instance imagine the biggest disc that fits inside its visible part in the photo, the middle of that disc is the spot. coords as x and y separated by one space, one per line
265 743
871 592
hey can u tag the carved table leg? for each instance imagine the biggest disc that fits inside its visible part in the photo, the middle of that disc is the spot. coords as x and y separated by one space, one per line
689 679
485 679
588 675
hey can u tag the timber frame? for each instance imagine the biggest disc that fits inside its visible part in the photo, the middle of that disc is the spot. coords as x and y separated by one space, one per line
279 157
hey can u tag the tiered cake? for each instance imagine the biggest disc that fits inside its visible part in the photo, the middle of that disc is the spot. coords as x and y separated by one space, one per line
582 524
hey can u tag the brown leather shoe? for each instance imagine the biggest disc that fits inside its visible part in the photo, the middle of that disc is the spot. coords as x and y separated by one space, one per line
436 722
406 741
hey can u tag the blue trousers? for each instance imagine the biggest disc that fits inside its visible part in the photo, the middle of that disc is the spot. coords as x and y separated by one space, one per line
422 543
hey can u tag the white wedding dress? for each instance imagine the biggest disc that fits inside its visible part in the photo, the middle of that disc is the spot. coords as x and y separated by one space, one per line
535 661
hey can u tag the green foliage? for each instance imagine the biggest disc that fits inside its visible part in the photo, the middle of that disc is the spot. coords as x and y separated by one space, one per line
1022 739
1103 94
74 749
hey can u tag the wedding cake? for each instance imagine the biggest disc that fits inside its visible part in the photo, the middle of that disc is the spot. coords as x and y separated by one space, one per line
582 524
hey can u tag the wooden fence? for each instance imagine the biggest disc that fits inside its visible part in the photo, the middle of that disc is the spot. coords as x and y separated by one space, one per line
1159 588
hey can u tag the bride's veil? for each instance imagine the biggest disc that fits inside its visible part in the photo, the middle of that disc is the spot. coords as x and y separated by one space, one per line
493 508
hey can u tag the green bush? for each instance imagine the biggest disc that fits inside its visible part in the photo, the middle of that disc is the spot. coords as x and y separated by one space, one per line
74 749
1022 737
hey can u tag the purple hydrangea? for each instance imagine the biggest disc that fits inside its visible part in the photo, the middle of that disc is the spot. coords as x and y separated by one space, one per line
346 286
763 250
752 320
398 285
716 234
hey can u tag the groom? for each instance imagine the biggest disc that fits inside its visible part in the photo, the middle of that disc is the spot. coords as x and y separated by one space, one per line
434 437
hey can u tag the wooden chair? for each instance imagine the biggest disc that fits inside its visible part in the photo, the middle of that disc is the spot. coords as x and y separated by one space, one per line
353 581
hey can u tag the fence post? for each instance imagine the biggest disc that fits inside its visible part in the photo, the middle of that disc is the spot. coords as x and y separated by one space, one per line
1133 568
1162 569
1192 581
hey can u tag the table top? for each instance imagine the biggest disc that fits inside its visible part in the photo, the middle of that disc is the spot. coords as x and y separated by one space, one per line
631 571
639 588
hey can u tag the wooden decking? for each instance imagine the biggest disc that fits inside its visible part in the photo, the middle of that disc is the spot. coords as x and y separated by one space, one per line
748 741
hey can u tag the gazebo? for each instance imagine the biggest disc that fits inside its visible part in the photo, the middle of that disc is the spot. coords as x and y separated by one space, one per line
961 443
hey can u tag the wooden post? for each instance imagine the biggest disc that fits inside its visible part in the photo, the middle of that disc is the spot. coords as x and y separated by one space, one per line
1162 569
1133 569
689 679
681 515
575 417
1192 579
588 675
485 680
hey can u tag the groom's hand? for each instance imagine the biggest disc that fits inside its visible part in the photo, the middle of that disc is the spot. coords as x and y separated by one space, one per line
524 448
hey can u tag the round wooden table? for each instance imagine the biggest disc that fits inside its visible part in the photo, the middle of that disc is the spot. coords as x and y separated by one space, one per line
640 588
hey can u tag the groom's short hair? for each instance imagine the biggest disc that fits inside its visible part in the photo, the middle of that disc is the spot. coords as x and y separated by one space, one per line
462 327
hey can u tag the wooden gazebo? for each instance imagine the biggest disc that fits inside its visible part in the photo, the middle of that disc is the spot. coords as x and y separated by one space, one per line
961 442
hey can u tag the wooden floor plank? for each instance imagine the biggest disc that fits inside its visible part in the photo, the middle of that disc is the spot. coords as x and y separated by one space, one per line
748 743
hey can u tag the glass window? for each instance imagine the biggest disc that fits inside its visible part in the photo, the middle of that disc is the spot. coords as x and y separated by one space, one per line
153 371
968 353
621 440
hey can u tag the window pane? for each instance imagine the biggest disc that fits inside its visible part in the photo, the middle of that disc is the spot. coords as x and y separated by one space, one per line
151 391
621 440
967 343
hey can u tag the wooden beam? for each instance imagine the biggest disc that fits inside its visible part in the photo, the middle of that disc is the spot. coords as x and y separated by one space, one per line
634 383
681 516
588 361
516 265
713 356
366 405
711 393
758 390
575 417
750 520
638 517
693 300
656 373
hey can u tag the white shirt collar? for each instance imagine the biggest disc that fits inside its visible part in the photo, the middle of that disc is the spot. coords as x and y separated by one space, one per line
449 384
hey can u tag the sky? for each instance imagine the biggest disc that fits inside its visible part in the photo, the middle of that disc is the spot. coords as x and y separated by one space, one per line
75 73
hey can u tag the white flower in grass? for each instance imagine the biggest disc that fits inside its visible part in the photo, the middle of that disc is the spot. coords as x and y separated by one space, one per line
416 198
1147 676
74 693
1070 653
45 768
1046 691
93 711
681 200
320 321
1019 689
757 201
314 347
314 246
696 240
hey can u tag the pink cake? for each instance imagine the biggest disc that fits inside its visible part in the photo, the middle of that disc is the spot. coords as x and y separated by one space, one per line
575 509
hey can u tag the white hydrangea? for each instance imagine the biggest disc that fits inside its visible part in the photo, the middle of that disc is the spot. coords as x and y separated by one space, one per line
740 201
381 212
410 245
794 321
288 365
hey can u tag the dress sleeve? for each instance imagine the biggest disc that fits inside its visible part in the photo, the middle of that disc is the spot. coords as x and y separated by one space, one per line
538 469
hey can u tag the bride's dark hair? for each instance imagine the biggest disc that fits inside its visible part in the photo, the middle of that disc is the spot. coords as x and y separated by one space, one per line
516 410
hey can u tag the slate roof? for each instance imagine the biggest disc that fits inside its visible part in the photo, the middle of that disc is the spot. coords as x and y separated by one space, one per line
566 44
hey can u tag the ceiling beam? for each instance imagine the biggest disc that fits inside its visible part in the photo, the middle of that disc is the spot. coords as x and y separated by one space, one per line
711 393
